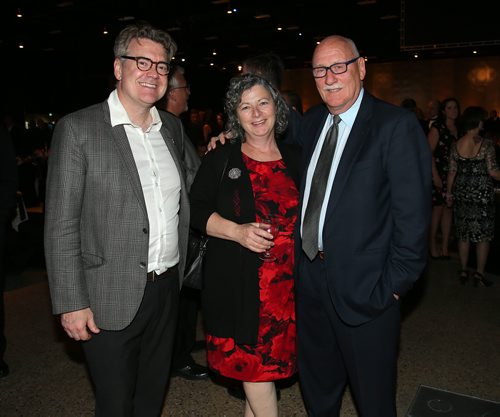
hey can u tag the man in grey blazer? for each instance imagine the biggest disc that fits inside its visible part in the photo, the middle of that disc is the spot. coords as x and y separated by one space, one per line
117 219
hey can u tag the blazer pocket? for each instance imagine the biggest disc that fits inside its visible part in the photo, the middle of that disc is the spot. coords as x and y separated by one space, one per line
92 261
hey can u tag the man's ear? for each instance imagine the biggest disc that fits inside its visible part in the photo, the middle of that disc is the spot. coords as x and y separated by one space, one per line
117 69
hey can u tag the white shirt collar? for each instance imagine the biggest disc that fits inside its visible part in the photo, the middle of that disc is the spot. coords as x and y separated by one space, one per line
119 115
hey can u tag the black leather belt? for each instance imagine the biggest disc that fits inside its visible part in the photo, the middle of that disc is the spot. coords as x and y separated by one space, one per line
153 276
321 255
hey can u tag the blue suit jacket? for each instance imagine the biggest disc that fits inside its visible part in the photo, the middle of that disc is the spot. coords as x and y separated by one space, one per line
376 225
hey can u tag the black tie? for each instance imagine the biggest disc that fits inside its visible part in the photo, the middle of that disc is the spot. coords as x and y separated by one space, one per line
310 223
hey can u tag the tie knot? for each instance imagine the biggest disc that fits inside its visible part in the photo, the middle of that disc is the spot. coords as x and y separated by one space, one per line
336 119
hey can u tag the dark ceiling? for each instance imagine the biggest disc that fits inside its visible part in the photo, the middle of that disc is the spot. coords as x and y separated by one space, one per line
65 52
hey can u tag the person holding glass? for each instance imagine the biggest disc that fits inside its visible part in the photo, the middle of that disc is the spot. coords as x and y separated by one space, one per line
248 304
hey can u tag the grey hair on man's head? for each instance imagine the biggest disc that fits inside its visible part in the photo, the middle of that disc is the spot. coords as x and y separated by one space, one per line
143 30
172 76
237 86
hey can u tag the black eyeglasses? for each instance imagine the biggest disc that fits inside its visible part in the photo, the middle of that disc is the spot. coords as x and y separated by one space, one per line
145 64
337 68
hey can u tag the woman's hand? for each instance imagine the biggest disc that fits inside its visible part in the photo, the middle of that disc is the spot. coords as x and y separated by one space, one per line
438 183
449 199
254 236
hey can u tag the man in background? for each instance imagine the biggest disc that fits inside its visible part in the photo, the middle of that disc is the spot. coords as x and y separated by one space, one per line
183 364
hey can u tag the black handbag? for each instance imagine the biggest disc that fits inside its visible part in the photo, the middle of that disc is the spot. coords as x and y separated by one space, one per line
197 246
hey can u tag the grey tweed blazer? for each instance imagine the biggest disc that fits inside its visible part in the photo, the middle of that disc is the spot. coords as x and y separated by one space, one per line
96 223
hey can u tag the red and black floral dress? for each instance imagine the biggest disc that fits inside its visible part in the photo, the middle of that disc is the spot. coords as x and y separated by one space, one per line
274 355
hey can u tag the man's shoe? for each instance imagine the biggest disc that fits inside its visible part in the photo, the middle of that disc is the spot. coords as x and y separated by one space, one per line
192 372
4 369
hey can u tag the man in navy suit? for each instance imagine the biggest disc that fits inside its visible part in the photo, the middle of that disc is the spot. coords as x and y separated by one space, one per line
371 240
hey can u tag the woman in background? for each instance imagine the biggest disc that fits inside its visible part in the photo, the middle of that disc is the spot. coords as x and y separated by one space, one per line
442 134
472 167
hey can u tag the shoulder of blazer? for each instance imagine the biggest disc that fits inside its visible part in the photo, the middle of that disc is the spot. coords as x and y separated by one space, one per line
95 112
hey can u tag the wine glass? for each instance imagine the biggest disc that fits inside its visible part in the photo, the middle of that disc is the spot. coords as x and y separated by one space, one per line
270 224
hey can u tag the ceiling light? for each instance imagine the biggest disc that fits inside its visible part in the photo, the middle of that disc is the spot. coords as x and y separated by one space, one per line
65 3
19 13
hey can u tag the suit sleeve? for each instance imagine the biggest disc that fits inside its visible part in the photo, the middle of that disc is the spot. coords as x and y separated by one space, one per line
409 173
64 197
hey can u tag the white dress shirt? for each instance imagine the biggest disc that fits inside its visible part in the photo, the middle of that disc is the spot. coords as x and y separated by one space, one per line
160 182
345 126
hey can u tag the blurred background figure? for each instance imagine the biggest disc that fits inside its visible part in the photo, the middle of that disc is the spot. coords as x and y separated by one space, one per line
183 364
8 188
293 100
442 134
433 110
472 167
194 129
410 104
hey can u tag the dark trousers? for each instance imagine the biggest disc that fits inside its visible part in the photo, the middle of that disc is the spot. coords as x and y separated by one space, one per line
185 336
332 354
130 368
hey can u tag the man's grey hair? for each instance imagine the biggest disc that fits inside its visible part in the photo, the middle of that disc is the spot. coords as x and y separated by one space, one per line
143 30
173 82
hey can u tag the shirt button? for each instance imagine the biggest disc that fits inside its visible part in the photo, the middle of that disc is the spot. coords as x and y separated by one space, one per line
145 231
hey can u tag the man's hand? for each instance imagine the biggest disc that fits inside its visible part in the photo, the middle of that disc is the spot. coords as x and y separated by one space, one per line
78 323
213 140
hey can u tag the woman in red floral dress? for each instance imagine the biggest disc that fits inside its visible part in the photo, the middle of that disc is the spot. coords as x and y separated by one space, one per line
248 304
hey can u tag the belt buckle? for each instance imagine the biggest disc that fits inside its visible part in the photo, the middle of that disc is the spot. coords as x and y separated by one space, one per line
152 277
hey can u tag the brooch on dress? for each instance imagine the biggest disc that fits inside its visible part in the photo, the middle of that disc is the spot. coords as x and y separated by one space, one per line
234 173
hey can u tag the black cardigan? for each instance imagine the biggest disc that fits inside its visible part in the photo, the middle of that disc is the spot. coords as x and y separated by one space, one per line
230 297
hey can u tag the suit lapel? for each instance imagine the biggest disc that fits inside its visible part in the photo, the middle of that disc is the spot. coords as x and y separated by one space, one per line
123 146
357 138
174 148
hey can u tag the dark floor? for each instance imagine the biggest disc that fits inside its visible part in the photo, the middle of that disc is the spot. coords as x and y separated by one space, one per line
450 341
